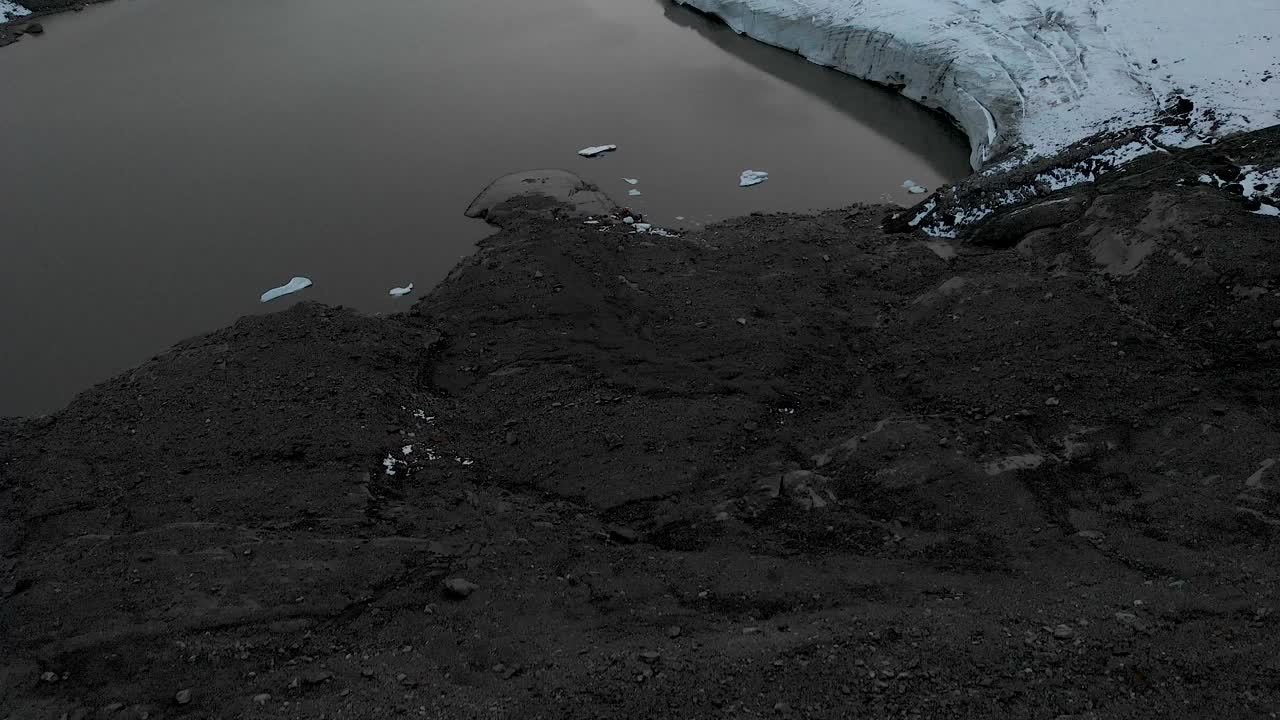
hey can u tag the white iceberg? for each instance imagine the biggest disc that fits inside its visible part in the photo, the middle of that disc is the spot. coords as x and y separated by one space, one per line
292 286
1037 77
596 150
634 193
399 291
752 177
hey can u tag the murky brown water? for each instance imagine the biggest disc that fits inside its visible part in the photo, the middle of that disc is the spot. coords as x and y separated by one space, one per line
166 161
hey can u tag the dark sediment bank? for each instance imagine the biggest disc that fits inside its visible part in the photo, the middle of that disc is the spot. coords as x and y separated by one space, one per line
788 465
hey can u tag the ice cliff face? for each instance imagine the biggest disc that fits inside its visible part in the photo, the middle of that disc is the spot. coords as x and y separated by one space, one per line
1036 77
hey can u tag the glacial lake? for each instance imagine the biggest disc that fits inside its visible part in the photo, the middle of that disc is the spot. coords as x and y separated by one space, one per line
167 161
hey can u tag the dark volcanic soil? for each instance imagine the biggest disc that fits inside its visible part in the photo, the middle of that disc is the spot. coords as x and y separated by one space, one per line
789 466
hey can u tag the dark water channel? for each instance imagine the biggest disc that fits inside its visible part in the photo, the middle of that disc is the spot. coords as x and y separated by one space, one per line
166 161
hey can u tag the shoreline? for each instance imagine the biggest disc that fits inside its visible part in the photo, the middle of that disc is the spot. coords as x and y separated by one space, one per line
785 465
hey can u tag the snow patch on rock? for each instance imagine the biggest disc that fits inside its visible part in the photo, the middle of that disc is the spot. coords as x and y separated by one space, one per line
10 10
1036 77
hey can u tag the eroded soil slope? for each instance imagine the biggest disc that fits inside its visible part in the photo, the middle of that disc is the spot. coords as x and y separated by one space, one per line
790 465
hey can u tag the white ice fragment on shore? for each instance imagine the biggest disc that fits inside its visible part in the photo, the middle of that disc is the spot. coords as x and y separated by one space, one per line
389 463
596 150
1268 210
752 177
292 286
628 220
590 222
399 291
10 9
631 181
924 213
913 188
633 192
642 227
407 450
423 416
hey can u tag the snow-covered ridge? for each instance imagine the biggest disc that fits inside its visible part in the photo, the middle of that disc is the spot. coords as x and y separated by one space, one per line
1039 76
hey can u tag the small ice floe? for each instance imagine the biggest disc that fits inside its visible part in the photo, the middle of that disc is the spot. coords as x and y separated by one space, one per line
634 192
913 188
292 286
752 177
399 291
630 181
596 150
679 217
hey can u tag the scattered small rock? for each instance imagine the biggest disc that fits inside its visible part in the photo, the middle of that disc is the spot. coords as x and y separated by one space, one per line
621 534
459 587
1064 631
182 697
262 698
49 677
316 677
651 656
673 631
1053 401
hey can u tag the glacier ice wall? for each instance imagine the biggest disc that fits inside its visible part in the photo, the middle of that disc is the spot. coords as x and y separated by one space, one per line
1038 76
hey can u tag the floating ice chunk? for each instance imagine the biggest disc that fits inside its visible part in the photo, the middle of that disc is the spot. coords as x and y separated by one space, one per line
596 150
590 222
292 286
399 291
10 9
679 217
752 177
1268 210
913 188
634 192
642 227
631 181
